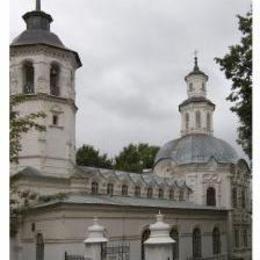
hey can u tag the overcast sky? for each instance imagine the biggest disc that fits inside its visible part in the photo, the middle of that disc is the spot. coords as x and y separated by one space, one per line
135 54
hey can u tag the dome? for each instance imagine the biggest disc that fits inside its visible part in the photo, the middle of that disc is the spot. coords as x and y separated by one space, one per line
37 37
37 31
197 148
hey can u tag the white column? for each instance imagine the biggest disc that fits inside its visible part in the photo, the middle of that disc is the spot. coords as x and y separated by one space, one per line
94 241
159 245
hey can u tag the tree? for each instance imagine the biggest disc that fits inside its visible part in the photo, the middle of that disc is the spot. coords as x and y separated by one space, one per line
237 65
21 124
87 155
135 158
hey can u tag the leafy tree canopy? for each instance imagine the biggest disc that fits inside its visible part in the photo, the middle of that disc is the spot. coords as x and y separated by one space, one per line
237 65
135 158
21 124
87 155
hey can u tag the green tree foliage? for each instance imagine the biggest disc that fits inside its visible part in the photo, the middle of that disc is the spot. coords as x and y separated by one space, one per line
135 158
237 65
21 124
87 155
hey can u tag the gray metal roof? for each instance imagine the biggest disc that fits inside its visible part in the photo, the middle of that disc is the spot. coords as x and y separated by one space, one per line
126 201
196 100
197 148
38 32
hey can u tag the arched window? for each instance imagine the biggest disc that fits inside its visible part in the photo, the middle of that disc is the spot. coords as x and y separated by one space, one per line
171 194
187 121
196 242
145 236
208 122
174 234
28 78
149 193
110 189
234 197
160 193
137 191
181 195
216 242
94 187
39 247
191 86
54 80
203 86
198 119
124 190
211 196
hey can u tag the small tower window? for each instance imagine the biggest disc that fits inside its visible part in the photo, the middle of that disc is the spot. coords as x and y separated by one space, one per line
55 120
160 194
171 194
191 86
243 199
198 119
137 191
203 86
245 238
54 80
149 193
211 197
234 197
94 187
181 195
187 121
28 77
124 190
208 122
236 234
110 189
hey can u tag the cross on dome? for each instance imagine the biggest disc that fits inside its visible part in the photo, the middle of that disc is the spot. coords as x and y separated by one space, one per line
196 67
38 5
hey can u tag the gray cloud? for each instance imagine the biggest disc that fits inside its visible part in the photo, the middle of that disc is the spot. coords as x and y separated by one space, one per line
135 56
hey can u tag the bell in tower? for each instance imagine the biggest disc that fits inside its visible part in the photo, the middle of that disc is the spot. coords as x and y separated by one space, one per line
43 69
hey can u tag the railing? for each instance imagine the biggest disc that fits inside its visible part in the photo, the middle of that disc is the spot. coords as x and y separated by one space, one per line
74 257
217 257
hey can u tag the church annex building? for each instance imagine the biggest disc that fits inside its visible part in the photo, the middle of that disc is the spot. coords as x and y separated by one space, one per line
197 182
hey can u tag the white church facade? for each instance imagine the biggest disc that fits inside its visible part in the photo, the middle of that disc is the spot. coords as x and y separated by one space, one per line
197 182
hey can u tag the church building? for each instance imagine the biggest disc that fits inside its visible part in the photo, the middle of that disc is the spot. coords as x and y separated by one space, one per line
198 181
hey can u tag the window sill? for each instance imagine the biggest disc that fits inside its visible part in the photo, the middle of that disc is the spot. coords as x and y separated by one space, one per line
56 126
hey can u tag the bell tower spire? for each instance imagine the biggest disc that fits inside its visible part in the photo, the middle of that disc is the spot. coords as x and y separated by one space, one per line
38 5
196 111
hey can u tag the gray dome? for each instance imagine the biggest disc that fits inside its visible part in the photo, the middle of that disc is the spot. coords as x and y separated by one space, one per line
37 36
37 31
197 148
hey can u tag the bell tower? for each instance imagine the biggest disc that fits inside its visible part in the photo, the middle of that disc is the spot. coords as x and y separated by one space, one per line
196 111
43 69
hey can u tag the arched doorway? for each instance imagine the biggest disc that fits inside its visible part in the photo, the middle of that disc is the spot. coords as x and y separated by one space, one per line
145 236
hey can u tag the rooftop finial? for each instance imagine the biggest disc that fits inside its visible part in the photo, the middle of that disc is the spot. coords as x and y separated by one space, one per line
196 67
38 5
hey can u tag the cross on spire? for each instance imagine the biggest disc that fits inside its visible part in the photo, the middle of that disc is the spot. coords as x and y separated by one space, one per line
196 67
38 5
